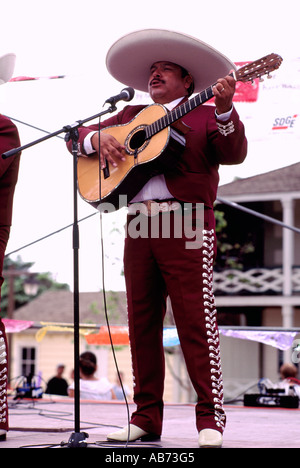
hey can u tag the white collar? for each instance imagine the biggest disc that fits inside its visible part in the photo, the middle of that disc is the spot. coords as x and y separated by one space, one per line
171 105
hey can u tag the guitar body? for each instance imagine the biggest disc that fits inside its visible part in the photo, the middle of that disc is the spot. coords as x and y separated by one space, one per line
144 158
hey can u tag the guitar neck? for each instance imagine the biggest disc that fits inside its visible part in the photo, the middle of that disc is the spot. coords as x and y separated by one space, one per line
249 72
180 111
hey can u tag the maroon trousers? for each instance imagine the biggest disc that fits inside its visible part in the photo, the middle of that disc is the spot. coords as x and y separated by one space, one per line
155 267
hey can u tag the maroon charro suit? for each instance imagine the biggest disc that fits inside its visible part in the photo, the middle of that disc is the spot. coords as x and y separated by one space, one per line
9 139
156 267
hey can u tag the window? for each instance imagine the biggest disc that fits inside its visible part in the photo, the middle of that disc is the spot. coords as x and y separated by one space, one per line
28 356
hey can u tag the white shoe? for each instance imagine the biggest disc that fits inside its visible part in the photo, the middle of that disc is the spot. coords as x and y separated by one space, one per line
135 433
210 438
2 435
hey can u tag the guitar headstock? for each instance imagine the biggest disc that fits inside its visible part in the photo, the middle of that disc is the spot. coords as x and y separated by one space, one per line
259 68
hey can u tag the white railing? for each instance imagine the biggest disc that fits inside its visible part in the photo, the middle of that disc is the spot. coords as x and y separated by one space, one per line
255 281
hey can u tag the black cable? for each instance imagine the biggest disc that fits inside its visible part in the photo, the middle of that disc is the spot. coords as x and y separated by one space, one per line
104 289
32 126
33 404
258 215
48 235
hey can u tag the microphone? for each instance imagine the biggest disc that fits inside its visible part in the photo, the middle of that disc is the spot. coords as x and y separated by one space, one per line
126 94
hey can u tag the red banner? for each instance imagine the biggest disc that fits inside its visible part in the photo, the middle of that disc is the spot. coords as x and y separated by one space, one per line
16 326
32 78
246 92
119 336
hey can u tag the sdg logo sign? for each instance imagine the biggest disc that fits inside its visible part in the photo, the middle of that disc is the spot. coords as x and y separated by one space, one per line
285 123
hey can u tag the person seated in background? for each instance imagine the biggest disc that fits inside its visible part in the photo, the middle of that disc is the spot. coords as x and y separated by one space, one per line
289 381
92 388
119 389
58 385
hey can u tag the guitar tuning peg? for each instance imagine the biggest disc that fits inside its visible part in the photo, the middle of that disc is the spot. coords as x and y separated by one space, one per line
269 76
261 79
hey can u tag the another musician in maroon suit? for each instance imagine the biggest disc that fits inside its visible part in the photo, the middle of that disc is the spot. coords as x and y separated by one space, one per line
171 66
9 168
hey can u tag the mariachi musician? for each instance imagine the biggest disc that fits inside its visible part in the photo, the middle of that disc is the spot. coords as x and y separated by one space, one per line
171 66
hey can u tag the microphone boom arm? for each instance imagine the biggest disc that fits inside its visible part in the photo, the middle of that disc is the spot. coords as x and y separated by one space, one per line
65 129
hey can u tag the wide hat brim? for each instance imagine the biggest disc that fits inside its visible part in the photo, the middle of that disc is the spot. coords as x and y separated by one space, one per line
129 59
7 66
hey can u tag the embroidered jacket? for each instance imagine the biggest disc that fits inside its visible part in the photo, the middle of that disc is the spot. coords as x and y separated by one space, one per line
9 168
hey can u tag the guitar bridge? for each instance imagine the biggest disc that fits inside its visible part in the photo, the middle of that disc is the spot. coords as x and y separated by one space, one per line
105 170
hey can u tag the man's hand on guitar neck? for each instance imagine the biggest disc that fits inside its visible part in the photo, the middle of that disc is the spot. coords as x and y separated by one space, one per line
110 149
224 91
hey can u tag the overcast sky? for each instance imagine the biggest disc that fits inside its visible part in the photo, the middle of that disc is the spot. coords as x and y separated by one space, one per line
72 38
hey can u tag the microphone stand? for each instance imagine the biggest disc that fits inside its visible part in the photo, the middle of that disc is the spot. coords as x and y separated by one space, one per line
77 438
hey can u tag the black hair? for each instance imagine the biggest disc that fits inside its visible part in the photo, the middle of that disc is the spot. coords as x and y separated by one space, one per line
88 363
185 73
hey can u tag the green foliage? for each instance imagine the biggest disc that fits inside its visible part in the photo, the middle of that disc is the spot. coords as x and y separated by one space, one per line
21 274
229 255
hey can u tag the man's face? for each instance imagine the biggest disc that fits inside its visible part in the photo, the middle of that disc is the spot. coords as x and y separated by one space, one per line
166 82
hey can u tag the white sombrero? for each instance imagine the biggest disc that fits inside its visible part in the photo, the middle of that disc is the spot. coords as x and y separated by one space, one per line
7 66
129 59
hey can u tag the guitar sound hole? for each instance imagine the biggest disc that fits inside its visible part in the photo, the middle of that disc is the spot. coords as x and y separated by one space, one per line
138 139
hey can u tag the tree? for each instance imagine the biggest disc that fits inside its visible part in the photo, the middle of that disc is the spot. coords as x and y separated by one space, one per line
21 274
230 254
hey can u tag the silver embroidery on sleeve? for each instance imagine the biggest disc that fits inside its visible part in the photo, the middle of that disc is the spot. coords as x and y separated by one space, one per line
226 129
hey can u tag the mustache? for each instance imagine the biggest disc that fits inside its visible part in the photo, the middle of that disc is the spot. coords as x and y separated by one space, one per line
159 80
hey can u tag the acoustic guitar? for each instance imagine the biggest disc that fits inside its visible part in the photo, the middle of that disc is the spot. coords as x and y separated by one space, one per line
152 142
